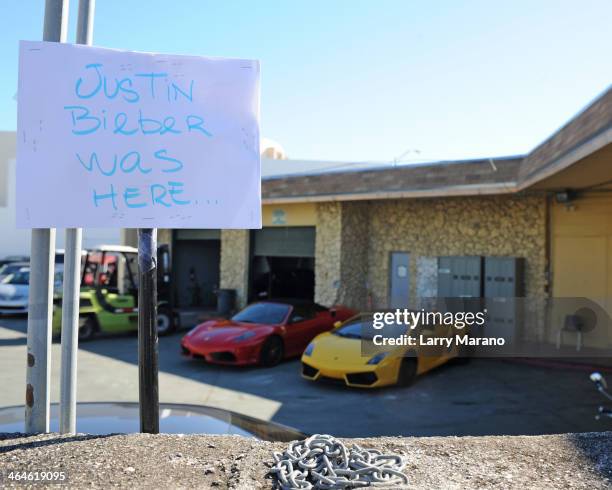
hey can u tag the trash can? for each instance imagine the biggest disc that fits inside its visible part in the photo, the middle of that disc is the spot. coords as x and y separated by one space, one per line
226 301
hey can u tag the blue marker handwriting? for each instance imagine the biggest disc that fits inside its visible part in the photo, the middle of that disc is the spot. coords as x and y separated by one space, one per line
165 194
129 162
130 93
85 121
130 107
153 85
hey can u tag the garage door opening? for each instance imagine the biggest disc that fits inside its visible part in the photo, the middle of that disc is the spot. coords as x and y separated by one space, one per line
196 256
282 263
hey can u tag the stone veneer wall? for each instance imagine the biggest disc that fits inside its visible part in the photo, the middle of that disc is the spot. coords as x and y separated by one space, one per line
341 255
354 255
164 236
327 252
487 225
426 277
129 236
354 240
234 267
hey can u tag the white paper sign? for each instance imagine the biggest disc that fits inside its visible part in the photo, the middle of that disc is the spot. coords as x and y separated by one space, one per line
110 138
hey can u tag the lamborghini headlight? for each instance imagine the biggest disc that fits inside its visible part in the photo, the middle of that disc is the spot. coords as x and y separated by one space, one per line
309 349
378 358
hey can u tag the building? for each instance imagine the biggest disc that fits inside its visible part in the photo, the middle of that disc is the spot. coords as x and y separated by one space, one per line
366 236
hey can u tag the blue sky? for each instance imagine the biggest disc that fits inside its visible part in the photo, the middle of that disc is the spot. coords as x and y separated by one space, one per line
367 80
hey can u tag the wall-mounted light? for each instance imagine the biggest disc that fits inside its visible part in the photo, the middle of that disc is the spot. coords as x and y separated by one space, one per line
565 197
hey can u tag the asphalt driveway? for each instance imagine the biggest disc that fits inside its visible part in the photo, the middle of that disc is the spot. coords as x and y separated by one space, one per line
484 397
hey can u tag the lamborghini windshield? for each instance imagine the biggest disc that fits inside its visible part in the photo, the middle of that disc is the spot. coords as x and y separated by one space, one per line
362 328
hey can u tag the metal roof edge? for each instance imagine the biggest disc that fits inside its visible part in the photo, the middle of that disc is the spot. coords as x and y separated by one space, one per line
386 166
449 191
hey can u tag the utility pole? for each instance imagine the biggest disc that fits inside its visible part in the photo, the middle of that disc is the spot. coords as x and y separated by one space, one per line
42 261
148 347
72 275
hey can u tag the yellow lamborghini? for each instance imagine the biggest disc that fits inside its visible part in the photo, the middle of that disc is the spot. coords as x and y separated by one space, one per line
351 353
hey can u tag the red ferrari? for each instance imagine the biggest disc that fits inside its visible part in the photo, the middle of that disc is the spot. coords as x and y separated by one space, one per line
263 333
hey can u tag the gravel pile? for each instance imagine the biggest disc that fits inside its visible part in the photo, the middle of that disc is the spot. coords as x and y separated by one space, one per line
200 461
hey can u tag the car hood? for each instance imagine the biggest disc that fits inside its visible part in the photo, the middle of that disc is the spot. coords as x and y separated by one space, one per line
341 350
123 417
10 292
226 330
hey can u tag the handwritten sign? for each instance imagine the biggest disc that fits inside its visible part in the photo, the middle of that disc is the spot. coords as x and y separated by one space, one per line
110 138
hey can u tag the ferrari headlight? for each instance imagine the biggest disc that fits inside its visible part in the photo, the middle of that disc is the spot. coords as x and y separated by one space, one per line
244 336
378 358
309 349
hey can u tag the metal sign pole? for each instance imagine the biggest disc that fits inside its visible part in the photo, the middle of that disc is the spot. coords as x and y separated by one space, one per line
72 276
148 349
42 261
70 330
85 22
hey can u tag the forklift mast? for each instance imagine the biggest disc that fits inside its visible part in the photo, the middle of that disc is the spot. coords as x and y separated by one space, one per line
115 269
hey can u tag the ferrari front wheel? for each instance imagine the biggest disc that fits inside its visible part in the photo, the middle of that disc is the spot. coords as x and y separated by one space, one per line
272 352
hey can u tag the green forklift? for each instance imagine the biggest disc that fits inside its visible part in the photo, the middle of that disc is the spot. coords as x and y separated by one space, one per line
109 293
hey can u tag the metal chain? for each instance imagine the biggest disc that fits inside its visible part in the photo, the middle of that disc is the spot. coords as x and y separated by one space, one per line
322 462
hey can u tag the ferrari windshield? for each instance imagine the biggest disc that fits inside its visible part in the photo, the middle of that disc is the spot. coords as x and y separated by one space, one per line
362 328
271 313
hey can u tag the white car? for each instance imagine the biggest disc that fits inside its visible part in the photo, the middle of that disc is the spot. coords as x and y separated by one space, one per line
11 267
15 289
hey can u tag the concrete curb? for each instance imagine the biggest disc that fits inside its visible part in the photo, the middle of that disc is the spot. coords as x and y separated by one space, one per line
582 461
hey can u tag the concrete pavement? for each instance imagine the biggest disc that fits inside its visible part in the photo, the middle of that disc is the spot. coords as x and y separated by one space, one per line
482 397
